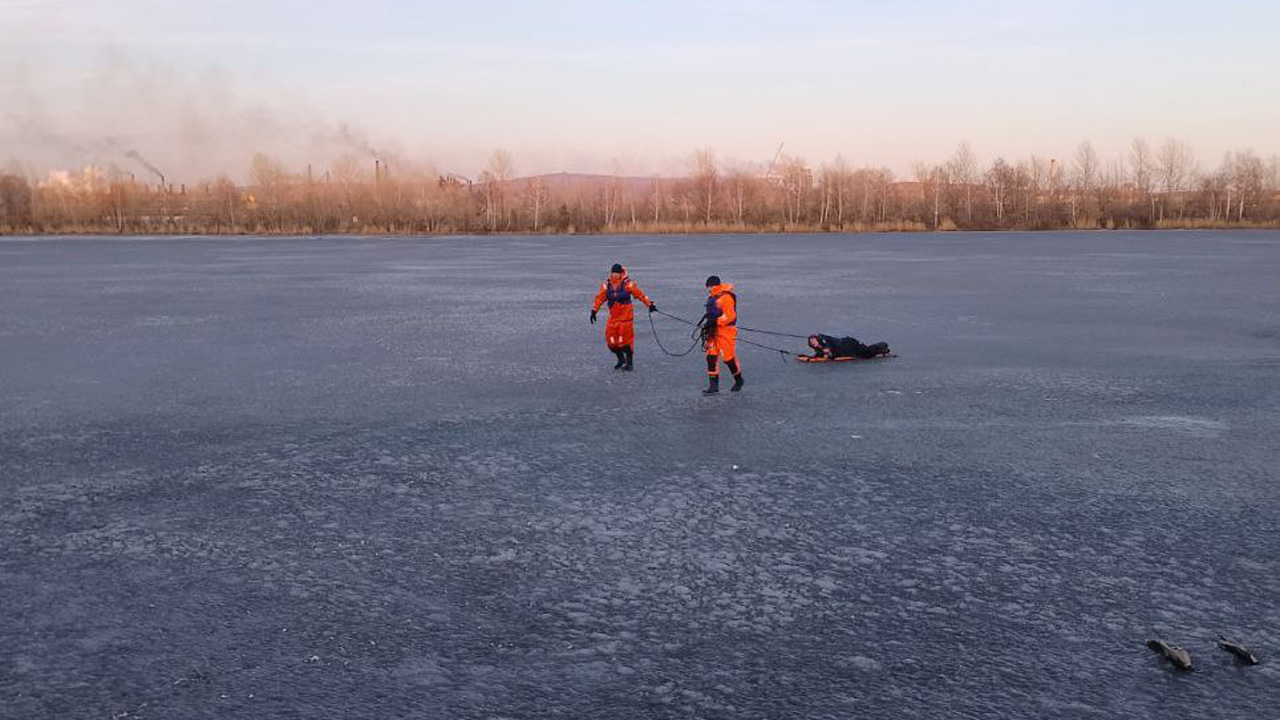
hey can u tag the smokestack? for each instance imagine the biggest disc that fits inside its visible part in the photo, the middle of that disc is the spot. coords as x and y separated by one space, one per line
142 161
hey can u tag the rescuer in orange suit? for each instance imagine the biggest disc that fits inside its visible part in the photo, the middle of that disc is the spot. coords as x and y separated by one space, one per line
720 333
619 331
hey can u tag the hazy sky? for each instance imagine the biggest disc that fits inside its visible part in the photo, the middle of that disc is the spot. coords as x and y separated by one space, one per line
580 85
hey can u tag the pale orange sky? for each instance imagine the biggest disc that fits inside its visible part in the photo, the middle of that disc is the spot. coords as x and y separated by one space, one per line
635 86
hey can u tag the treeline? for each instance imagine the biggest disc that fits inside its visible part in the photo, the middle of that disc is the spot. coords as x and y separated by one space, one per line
1147 188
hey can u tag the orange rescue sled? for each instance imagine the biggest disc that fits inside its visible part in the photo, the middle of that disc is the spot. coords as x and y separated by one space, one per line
811 359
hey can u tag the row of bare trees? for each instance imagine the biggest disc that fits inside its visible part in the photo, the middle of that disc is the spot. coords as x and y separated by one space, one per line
1147 187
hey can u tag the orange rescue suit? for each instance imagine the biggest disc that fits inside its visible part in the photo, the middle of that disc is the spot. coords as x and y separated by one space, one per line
617 291
722 315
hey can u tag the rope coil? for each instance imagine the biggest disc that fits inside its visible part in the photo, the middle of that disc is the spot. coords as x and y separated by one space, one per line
658 339
697 340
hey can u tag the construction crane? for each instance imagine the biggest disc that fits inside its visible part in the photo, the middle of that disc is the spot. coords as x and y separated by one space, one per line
772 170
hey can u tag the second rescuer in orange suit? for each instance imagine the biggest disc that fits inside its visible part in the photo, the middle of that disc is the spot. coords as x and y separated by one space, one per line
720 334
619 331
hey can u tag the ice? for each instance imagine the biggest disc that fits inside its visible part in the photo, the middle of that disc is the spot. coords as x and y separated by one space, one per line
414 455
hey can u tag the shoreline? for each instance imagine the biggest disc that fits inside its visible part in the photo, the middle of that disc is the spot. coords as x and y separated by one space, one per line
620 232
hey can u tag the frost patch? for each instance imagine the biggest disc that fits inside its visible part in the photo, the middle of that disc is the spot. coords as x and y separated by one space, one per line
1199 427
862 662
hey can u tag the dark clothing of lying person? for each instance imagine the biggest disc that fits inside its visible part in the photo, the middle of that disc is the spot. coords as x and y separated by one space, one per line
828 347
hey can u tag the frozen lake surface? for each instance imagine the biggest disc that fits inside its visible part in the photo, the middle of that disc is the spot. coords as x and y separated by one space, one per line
399 478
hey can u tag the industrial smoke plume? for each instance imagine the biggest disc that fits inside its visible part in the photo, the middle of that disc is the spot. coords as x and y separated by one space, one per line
196 124
133 154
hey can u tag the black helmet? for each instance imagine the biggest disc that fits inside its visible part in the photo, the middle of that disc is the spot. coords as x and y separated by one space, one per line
713 281
616 268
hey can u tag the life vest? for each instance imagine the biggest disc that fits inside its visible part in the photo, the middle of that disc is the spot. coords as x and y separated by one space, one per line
619 295
713 310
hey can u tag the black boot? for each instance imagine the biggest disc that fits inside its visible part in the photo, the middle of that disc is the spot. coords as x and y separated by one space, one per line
713 378
622 359
737 375
630 355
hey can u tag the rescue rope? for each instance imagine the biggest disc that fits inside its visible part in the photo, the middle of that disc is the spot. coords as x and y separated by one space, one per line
675 317
658 339
743 328
697 340
784 353
770 332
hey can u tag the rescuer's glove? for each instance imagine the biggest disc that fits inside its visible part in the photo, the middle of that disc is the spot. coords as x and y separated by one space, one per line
593 317
653 307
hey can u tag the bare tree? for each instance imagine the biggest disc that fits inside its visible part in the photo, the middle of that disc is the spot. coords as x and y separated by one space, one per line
1142 169
1001 183
839 179
1214 187
15 202
272 180
740 193
1110 192
1039 171
796 181
493 184
706 179
867 183
536 193
963 169
827 184
657 199
1175 163
1086 176
353 191
612 194
501 165
1248 178
932 179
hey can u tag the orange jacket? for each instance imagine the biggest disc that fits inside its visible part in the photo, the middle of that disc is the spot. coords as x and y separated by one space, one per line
722 305
618 291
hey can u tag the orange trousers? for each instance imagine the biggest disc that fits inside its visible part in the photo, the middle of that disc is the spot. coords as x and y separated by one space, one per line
619 334
722 343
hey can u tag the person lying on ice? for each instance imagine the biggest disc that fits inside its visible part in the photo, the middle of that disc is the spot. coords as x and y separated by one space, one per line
619 330
719 333
827 347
